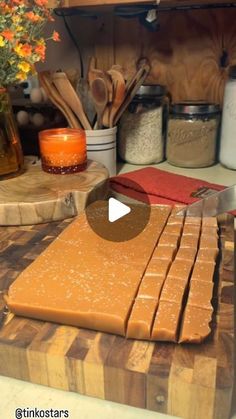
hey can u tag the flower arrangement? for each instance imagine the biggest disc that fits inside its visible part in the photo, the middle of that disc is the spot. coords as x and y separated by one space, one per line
21 41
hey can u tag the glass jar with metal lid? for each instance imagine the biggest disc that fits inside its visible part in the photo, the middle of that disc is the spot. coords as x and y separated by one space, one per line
192 134
141 128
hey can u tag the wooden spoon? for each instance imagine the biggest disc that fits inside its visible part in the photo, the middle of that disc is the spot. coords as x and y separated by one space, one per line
99 93
66 90
118 82
133 87
56 99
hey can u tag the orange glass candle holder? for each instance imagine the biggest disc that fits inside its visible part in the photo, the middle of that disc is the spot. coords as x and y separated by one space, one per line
63 150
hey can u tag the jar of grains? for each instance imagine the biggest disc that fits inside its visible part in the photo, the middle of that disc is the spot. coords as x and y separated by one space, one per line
141 128
192 134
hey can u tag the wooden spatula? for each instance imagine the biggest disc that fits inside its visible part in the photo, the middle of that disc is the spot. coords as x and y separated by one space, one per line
69 95
56 99
100 97
133 87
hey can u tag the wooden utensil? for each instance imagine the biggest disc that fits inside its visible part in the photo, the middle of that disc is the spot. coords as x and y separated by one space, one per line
118 82
100 97
133 87
56 99
66 90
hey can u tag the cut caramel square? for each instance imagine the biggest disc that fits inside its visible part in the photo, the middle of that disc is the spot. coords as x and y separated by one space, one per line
169 240
150 287
208 242
166 322
195 326
164 252
209 222
207 255
180 269
200 294
141 318
158 267
173 290
173 229
186 254
189 241
203 271
192 220
191 229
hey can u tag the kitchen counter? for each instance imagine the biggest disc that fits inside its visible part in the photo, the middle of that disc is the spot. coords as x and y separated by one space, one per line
15 393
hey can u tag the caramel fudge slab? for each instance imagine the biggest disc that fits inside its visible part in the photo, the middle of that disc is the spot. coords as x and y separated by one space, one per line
141 318
166 321
84 280
196 324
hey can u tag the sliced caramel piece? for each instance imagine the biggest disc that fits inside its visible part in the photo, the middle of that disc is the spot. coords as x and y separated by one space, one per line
186 254
193 220
166 322
169 240
207 255
191 229
141 318
173 229
158 267
164 252
175 220
209 231
208 242
203 271
195 327
173 290
151 287
209 222
189 241
200 294
180 269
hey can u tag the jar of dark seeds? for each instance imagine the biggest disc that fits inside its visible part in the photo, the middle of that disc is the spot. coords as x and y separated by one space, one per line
192 134
141 128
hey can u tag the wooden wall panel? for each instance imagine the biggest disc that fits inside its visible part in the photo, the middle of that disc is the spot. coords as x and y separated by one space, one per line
185 53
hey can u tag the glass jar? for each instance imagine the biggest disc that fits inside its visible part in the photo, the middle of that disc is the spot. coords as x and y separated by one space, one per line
192 134
11 156
141 128
228 129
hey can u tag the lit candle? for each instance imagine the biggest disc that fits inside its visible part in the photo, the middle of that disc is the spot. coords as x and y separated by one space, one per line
63 150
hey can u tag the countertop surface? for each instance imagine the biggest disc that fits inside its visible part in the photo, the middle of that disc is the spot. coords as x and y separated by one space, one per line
18 394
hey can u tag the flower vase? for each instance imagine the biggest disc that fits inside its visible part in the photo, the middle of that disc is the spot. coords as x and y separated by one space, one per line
11 156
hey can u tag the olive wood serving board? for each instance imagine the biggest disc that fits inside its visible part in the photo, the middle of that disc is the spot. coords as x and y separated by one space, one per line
39 197
190 381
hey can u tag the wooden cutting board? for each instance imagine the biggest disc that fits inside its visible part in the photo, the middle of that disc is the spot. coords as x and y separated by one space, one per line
39 197
190 381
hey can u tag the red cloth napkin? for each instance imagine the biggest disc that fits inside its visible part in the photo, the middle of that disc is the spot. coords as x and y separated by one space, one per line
162 187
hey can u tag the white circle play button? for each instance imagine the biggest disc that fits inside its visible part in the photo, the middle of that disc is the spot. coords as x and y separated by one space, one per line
119 221
116 210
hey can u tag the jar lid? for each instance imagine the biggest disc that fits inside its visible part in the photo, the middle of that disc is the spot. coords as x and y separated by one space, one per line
150 91
232 72
195 108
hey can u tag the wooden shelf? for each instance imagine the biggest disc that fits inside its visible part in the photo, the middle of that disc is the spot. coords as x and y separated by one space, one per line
173 3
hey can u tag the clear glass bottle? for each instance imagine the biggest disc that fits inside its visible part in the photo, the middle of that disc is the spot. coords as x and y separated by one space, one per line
11 156
141 128
228 129
192 134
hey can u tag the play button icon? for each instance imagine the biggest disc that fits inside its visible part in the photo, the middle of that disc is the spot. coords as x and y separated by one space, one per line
116 210
119 217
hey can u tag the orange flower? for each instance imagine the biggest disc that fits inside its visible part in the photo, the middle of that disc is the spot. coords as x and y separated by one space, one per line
56 36
8 34
40 50
33 17
23 50
41 2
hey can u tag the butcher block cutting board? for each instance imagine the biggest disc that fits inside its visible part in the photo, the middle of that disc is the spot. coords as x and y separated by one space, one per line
38 197
189 381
